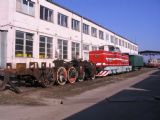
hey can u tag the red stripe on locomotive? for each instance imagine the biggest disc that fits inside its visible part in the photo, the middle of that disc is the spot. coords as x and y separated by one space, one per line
107 58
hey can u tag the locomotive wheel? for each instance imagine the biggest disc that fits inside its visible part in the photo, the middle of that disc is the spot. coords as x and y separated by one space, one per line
44 79
61 76
81 75
72 75
51 77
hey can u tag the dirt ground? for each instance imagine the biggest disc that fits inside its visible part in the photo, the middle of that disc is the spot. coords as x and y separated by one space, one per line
40 96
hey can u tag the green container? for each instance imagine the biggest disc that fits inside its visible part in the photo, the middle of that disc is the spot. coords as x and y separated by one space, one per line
136 61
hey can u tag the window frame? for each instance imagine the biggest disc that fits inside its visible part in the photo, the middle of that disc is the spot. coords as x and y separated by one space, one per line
94 32
101 35
85 29
50 17
24 52
86 46
62 20
107 36
21 9
46 48
75 48
75 25
61 50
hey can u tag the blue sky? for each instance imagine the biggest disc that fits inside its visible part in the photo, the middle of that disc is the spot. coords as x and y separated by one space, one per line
137 20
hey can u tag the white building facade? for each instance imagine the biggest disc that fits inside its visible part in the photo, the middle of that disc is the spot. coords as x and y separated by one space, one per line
41 31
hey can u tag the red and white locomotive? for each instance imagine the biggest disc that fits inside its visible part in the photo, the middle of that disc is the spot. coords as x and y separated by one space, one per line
110 62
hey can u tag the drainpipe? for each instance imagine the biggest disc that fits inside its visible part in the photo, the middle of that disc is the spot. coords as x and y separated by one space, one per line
82 38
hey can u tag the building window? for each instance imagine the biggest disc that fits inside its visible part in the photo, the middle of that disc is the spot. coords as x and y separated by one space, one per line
112 39
26 7
131 47
62 20
101 35
123 43
94 32
128 46
116 41
46 14
86 52
24 44
86 47
62 49
75 50
94 48
86 29
45 47
120 42
75 24
134 48
107 36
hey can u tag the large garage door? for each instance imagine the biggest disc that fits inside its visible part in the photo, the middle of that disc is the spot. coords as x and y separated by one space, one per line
3 40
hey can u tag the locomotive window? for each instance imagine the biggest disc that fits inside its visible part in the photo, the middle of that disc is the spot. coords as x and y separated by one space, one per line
94 47
101 47
23 44
111 48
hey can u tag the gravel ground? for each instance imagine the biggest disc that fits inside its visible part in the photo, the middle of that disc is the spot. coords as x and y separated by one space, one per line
39 96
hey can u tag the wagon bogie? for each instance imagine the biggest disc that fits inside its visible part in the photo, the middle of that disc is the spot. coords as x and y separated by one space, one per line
89 69
79 66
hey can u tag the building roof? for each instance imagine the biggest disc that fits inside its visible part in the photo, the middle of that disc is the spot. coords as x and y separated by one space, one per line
88 20
149 52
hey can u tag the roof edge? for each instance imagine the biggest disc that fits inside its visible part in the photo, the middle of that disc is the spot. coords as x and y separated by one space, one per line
55 3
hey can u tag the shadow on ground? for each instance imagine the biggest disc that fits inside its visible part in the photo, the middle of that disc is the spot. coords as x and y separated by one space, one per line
140 102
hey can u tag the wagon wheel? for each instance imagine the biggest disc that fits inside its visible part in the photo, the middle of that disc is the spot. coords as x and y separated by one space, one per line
72 75
81 74
61 76
44 79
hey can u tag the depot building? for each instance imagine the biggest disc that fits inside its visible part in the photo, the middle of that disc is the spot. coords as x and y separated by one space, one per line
41 31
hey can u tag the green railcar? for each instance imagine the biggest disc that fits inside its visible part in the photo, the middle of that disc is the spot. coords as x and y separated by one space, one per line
136 61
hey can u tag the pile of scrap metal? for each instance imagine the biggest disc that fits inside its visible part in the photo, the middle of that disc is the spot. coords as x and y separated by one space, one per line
61 73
